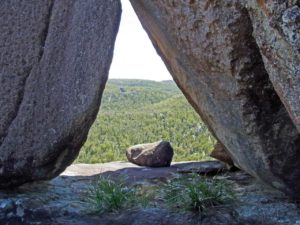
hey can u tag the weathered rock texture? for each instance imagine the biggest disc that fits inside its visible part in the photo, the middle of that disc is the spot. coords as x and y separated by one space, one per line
157 154
237 62
54 60
276 27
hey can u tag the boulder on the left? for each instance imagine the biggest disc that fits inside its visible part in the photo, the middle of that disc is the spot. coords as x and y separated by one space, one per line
54 62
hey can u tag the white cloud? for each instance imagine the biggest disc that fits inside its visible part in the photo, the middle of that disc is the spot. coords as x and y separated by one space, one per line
134 55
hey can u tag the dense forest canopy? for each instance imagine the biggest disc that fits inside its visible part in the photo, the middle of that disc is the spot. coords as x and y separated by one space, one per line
141 111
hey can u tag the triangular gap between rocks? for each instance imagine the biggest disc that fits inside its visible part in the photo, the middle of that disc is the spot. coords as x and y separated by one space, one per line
134 64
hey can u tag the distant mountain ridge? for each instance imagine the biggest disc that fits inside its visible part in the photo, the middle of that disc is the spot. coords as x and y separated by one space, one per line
124 94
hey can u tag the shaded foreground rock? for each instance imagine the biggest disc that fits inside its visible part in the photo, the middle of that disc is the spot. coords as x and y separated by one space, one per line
63 200
54 62
157 154
237 62
209 168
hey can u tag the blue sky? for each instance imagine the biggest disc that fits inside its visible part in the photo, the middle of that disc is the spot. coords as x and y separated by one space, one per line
134 55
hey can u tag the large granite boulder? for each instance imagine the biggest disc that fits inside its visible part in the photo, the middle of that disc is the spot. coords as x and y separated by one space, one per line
157 154
237 62
54 61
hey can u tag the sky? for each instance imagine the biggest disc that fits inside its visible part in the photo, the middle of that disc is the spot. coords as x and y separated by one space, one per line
134 54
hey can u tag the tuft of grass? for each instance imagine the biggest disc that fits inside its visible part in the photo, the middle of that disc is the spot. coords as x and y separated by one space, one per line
107 195
195 193
111 195
186 193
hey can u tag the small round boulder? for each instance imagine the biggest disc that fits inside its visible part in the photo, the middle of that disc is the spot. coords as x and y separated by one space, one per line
157 154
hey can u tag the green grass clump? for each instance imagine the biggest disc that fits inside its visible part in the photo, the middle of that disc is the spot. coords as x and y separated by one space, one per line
111 195
107 195
195 193
186 193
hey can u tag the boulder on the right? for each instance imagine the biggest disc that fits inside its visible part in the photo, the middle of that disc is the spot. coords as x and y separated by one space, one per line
276 29
238 64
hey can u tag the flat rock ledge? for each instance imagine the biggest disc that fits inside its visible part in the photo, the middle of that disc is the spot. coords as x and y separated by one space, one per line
63 199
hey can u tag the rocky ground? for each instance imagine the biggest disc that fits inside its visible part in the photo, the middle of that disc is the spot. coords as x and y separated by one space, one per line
63 200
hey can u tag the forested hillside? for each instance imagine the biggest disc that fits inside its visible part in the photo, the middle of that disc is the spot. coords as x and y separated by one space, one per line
139 111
